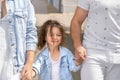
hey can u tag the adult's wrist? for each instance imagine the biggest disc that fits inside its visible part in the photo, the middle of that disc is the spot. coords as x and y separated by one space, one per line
77 45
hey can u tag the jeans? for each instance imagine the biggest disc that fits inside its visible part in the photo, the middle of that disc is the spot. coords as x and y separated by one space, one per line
101 65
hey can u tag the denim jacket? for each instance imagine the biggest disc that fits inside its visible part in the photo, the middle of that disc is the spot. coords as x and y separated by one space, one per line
22 33
42 65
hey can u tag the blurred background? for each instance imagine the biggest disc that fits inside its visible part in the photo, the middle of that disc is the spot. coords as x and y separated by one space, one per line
60 10
54 6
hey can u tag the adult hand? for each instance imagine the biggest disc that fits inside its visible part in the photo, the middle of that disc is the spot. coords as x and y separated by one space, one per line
26 73
80 54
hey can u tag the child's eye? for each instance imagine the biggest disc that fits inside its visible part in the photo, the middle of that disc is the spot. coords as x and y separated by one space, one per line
50 34
59 35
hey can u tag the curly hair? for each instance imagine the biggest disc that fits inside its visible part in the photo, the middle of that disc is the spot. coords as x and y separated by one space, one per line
42 32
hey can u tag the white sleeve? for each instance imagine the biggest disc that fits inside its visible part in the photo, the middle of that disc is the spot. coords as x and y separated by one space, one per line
84 4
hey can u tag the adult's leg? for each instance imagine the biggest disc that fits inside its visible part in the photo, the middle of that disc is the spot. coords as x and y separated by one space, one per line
113 68
94 66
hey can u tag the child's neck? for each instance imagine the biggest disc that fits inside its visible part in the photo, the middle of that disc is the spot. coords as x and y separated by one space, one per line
54 53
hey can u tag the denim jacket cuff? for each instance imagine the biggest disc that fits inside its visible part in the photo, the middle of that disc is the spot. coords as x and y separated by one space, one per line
31 47
36 72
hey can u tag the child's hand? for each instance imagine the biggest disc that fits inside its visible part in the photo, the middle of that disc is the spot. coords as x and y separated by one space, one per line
78 61
80 55
26 73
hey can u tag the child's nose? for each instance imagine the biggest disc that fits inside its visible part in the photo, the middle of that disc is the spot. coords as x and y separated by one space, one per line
54 37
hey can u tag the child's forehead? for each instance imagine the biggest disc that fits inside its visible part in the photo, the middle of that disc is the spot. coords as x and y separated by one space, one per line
53 27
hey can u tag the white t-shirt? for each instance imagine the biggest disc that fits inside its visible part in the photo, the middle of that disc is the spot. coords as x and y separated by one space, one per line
102 30
55 69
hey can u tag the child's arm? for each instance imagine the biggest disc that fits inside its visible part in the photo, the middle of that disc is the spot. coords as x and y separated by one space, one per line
78 61
73 64
37 65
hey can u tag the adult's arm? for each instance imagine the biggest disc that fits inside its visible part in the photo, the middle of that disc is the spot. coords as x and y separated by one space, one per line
31 40
26 73
75 31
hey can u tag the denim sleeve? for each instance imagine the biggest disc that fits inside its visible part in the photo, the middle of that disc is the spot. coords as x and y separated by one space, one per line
37 64
31 31
71 62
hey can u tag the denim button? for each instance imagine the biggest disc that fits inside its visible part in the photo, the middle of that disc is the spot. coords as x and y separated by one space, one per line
16 65
10 33
10 21
15 57
12 44
23 15
9 10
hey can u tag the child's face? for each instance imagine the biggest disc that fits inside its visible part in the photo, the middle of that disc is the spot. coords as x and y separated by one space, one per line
53 39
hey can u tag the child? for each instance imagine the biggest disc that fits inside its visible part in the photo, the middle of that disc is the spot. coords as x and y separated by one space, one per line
55 61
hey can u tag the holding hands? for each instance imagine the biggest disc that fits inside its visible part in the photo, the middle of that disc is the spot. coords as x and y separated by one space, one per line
80 55
26 73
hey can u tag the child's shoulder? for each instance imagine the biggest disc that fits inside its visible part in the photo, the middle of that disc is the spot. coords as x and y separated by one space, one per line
43 52
64 49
